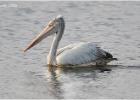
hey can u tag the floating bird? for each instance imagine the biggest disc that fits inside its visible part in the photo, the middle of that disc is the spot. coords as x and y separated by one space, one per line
74 54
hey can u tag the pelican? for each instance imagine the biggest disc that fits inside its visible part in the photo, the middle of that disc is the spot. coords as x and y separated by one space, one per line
74 54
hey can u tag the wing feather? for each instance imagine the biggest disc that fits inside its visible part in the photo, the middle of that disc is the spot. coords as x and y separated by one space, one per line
79 54
61 50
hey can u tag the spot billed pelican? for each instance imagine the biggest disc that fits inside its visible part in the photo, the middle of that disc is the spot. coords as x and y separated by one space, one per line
73 54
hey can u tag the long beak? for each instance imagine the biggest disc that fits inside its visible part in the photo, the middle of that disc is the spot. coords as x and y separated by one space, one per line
46 32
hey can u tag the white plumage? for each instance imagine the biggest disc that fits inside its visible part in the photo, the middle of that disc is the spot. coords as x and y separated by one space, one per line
76 54
73 54
82 53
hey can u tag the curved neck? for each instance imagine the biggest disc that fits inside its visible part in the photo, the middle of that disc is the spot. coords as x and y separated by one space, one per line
53 50
54 46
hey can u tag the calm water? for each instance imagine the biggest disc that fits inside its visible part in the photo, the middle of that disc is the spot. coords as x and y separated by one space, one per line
115 26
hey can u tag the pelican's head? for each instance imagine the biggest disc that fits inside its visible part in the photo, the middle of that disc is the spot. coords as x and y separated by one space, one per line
55 26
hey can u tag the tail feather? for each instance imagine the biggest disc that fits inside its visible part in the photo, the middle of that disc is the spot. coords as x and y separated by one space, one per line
114 59
109 56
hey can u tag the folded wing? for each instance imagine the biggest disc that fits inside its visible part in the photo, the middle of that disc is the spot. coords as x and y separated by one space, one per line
81 53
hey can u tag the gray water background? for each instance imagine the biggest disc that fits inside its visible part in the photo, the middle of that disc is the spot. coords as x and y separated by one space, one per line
115 26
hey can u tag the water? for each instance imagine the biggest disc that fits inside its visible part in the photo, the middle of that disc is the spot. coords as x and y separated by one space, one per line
115 26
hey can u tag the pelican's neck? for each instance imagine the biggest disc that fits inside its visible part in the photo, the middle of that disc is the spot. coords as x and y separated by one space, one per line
55 43
53 50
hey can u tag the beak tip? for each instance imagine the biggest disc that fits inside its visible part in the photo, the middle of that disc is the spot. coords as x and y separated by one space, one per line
24 50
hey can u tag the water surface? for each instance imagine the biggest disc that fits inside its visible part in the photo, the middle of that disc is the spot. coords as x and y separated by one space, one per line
115 26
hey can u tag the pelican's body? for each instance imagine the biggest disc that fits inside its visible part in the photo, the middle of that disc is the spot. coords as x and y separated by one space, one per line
73 54
82 54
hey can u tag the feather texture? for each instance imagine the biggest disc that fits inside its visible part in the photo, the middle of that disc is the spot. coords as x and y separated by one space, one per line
81 53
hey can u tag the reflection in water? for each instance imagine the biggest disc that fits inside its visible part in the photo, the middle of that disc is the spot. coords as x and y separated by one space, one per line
54 73
58 77
53 83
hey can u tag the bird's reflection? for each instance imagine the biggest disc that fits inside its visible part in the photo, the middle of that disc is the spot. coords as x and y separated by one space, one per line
53 82
55 72
58 76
